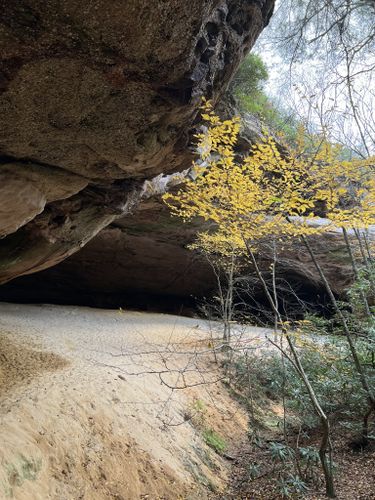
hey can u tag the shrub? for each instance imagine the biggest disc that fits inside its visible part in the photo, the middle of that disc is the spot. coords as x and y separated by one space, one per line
214 440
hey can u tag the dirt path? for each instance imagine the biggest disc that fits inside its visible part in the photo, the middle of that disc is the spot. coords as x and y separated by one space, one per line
87 410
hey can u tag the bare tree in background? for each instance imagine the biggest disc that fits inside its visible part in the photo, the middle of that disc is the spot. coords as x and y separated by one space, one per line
329 46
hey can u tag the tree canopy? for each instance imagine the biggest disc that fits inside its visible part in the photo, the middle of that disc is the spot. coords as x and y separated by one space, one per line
274 191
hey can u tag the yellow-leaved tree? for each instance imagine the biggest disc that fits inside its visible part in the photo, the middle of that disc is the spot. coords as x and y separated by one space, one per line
278 193
274 190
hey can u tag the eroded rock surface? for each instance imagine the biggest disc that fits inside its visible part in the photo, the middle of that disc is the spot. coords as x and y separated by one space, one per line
28 188
143 260
96 97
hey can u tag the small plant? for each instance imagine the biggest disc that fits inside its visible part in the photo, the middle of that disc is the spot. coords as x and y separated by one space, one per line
280 452
292 486
309 460
214 441
26 469
199 406
253 471
196 413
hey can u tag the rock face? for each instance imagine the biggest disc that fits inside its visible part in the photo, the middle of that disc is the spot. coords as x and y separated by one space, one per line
95 98
139 260
142 260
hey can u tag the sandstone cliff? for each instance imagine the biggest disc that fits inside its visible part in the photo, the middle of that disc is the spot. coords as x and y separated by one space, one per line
96 97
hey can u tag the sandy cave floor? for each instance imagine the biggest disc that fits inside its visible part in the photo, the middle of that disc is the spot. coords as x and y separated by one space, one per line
88 410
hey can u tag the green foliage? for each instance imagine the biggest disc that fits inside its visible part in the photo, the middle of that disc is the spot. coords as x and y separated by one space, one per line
253 470
248 87
335 383
363 286
292 486
326 357
309 456
214 440
280 452
251 76
298 468
197 413
199 406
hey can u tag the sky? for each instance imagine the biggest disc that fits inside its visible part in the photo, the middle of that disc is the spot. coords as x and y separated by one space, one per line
316 90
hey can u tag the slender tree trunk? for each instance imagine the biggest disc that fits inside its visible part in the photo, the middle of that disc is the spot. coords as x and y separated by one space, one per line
222 299
357 362
367 245
325 445
355 270
366 256
361 247
229 298
276 302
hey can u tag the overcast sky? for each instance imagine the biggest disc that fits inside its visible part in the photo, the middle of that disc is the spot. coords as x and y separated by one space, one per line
317 94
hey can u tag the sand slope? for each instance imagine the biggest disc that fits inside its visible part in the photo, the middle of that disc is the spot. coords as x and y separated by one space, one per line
86 411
